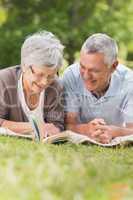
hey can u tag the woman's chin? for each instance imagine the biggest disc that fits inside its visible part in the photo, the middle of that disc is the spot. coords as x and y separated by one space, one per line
36 90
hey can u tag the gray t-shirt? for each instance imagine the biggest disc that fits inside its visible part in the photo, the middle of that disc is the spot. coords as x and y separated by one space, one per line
115 107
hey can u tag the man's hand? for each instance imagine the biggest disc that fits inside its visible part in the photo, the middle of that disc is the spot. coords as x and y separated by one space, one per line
93 130
89 129
107 133
97 121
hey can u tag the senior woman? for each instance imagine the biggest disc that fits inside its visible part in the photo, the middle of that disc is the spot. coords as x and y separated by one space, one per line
33 87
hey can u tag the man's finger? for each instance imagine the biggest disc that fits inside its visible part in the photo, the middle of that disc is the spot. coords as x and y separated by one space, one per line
98 121
101 121
96 133
104 138
102 127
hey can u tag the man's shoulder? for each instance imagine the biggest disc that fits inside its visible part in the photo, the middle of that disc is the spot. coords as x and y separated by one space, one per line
123 70
72 75
72 69
126 76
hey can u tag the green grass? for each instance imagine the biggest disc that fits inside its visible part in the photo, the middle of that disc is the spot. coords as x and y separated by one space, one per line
72 172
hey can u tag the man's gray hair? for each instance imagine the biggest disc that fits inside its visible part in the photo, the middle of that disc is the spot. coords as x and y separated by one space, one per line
42 49
102 43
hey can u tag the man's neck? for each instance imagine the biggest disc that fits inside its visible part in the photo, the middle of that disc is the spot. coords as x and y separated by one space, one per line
99 94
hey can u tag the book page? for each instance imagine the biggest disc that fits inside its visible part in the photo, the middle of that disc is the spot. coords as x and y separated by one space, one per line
78 138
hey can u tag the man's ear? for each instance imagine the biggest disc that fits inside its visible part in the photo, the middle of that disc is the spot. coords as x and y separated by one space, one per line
114 66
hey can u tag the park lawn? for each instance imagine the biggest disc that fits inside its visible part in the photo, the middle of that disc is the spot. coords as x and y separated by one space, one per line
33 171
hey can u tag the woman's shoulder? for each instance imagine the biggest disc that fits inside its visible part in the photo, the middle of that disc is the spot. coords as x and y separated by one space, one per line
10 74
55 89
57 83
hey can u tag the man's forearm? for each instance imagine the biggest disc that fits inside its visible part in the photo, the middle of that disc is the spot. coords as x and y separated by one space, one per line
85 130
18 127
122 131
79 128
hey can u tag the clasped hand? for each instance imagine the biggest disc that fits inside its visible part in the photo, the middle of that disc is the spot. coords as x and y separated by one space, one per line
99 131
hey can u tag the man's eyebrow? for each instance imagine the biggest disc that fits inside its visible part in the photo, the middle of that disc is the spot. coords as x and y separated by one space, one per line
90 69
81 64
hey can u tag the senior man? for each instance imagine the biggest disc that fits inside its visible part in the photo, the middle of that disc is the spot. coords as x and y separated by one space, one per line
99 92
33 87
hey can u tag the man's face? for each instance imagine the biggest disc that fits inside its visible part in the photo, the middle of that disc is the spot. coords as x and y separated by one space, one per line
37 79
94 72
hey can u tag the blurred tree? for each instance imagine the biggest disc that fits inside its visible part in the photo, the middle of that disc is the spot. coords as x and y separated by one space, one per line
72 21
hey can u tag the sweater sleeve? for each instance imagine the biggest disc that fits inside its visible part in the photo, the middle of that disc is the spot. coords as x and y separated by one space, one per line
54 106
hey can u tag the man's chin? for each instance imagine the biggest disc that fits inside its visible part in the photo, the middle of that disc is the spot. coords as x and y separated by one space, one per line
90 88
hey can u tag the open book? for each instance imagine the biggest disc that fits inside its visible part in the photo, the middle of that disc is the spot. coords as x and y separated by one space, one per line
72 137
76 138
65 136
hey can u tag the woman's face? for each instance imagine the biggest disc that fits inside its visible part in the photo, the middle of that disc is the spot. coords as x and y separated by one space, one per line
37 79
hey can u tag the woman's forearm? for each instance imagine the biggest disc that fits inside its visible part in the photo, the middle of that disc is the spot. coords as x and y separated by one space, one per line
18 127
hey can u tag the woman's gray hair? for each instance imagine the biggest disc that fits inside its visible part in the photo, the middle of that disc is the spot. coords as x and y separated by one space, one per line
102 43
42 49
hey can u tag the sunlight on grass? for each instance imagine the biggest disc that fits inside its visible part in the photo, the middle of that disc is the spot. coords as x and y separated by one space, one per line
36 171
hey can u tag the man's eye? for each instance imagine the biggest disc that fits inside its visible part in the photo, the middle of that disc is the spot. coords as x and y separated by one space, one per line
50 77
96 71
82 67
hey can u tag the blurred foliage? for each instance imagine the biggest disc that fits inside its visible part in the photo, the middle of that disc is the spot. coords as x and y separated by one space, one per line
72 21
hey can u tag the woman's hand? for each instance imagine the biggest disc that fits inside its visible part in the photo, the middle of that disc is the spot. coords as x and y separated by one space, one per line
48 129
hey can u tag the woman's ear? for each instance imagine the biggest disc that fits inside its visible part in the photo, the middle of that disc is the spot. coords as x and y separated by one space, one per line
23 68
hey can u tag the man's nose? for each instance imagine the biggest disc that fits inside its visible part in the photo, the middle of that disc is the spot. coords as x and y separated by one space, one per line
87 75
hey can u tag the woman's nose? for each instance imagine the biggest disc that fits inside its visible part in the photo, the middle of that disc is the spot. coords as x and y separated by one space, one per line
44 82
